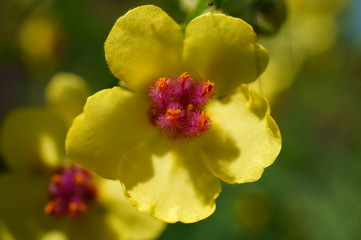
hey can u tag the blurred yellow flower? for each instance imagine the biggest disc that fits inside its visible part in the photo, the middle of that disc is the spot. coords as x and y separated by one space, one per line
311 28
42 42
32 144
66 94
165 144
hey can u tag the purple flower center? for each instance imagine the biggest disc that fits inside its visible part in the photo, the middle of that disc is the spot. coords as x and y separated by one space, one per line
71 191
178 105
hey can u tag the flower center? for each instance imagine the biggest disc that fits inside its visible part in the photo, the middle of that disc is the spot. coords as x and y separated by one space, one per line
178 105
71 191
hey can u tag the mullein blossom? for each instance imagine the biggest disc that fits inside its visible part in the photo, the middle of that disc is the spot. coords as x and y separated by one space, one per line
44 196
184 119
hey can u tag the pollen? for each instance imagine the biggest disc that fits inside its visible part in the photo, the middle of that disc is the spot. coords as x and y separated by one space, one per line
190 107
49 207
178 104
161 83
208 87
185 76
204 118
173 114
78 179
56 178
77 207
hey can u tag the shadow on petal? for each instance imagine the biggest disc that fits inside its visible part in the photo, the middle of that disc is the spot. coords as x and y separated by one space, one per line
218 146
136 166
258 105
246 136
200 176
169 180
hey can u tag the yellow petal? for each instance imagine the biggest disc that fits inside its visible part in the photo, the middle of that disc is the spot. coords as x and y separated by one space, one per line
247 137
22 206
32 139
111 217
143 45
92 225
66 94
123 217
54 235
170 182
114 120
223 49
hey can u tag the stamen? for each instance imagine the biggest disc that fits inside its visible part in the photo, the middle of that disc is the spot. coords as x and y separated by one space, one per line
190 107
197 123
173 114
77 208
56 178
161 83
203 119
50 207
185 76
208 88
178 105
78 179
71 191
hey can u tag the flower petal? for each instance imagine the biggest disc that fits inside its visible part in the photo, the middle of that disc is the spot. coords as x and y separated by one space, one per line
92 225
113 121
143 45
170 182
32 139
66 94
252 140
123 217
223 49
111 217
22 202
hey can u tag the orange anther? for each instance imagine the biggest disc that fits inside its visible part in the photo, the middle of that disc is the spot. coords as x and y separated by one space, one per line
173 114
208 87
190 107
76 207
78 179
56 178
49 207
161 83
185 75
203 119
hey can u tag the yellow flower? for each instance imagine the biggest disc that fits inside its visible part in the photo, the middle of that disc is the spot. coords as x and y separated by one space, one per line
170 158
66 94
32 144
310 29
42 42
